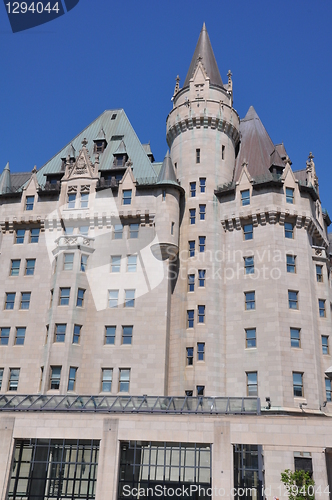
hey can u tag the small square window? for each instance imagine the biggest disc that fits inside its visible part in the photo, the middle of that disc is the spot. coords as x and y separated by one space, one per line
191 282
325 344
129 298
126 196
19 236
14 375
69 231
20 335
68 262
202 212
72 378
4 335
15 267
189 394
202 184
289 230
249 298
127 335
84 200
60 332
71 200
133 230
64 296
245 197
319 273
291 263
201 314
191 248
289 195
200 390
192 189
113 296
202 240
201 277
250 338
189 356
132 263
190 318
77 334
322 311
248 231
118 231
110 335
295 335
200 351
252 386
34 235
328 390
84 263
249 266
80 297
198 156
29 201
192 215
106 382
298 385
30 267
293 302
10 300
115 263
25 300
124 379
55 377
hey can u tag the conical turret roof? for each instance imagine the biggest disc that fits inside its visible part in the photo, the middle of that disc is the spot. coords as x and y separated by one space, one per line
167 173
205 52
5 180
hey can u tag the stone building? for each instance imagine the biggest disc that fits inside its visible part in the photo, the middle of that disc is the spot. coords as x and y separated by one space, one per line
165 325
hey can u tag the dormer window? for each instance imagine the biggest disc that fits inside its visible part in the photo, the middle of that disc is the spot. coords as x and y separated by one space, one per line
99 147
29 201
100 142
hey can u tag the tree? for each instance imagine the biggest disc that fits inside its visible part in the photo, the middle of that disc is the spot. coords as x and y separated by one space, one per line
299 485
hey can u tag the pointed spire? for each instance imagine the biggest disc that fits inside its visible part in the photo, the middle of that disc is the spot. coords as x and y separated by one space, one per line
204 53
5 180
167 173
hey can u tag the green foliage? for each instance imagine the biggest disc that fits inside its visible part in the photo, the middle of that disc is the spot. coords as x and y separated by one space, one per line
299 485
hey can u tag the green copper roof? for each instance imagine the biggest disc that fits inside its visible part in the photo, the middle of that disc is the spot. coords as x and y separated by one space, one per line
5 180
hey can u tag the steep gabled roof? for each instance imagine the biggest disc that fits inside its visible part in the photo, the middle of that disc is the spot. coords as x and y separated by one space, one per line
205 52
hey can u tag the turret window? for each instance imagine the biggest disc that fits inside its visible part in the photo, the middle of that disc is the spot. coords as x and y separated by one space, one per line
295 335
289 230
198 156
202 241
191 248
190 318
191 282
200 351
201 277
202 184
248 232
60 332
249 266
293 299
322 310
325 344
192 189
291 263
222 152
202 211
192 215
201 314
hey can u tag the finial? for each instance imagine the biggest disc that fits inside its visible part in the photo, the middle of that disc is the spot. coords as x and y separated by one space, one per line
34 170
229 74
244 163
177 86
199 58
204 27
311 156
129 163
84 142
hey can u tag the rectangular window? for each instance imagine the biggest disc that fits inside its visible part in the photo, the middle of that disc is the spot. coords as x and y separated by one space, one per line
201 277
248 232
29 201
249 267
19 236
202 184
84 262
71 200
15 267
289 195
190 318
126 197
192 215
319 273
118 231
84 230
55 377
84 200
200 351
113 296
124 379
192 189
72 378
64 296
191 282
10 300
34 235
189 394
325 344
295 335
245 197
106 381
250 338
200 390
164 194
289 230
133 230
115 263
328 390
249 298
20 335
202 212
68 261
129 298
77 334
4 335
60 332
131 263
252 386
14 375
25 300
298 385
291 263
110 335
293 302
191 249
322 311
127 335
30 267
201 314
202 240
198 156
80 297
1 377
189 356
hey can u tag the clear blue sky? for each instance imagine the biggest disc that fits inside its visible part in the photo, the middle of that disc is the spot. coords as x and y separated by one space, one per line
57 78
